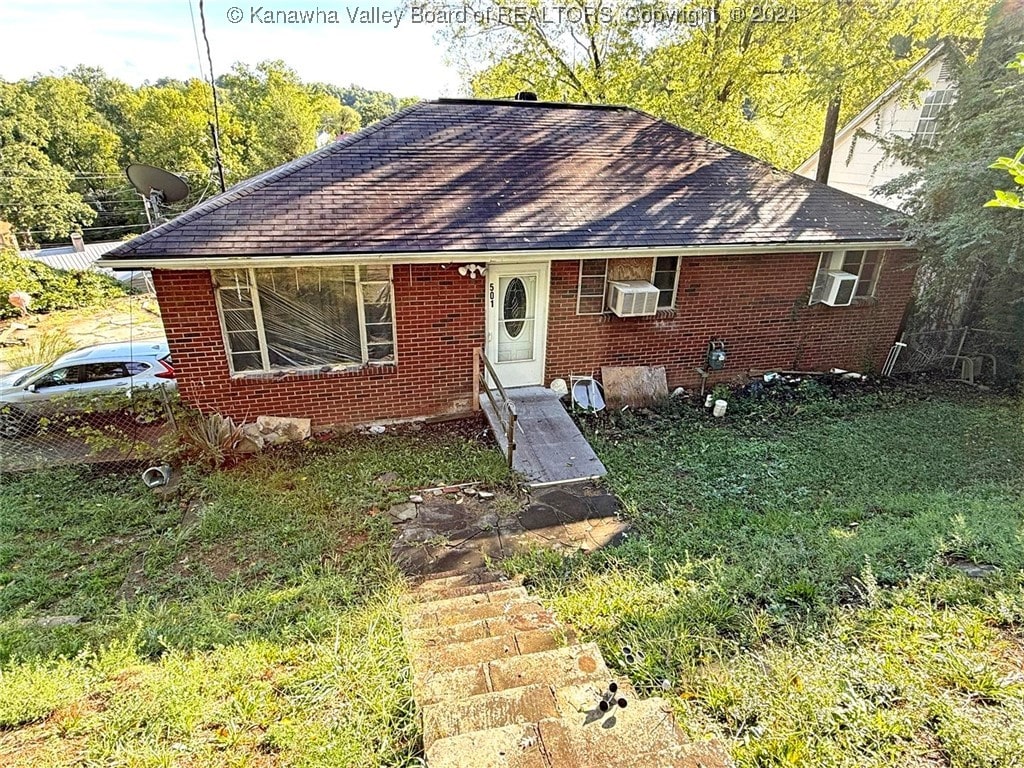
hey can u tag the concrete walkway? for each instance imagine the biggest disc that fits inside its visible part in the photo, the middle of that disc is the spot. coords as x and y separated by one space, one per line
549 446
500 684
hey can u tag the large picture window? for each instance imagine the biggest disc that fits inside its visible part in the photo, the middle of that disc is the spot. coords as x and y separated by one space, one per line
305 317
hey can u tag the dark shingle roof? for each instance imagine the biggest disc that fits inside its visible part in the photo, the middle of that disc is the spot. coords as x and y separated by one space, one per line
458 175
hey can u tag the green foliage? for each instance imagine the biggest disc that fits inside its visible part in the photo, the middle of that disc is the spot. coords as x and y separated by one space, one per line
37 193
1012 165
759 84
51 288
254 613
972 254
43 348
793 574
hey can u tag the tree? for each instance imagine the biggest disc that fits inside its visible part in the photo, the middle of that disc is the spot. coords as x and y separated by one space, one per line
1012 165
759 80
172 129
972 255
36 193
279 114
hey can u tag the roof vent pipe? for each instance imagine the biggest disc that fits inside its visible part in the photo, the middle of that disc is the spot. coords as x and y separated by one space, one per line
525 96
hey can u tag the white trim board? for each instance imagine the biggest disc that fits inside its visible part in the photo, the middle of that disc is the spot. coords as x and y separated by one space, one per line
490 257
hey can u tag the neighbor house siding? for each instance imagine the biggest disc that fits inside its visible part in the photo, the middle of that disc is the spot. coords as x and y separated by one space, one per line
756 304
439 320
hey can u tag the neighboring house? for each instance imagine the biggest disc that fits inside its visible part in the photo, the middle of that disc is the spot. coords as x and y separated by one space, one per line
859 162
341 287
80 255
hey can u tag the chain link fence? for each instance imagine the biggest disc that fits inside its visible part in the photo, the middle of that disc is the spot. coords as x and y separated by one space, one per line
91 430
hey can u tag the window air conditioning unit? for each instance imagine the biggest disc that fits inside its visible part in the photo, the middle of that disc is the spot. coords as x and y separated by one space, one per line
632 298
839 289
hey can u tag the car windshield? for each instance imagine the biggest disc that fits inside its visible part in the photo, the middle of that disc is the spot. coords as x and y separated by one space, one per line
24 377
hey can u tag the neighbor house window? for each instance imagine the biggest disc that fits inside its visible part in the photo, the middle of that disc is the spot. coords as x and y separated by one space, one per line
281 318
928 124
866 265
594 276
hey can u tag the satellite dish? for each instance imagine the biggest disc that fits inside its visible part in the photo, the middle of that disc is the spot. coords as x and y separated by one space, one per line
157 187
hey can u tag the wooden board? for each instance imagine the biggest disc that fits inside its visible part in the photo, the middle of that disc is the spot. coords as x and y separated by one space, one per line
636 385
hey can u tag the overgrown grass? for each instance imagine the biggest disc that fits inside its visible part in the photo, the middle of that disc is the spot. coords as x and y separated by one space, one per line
792 573
251 620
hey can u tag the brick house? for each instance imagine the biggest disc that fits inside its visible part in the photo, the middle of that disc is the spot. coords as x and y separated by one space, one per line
353 284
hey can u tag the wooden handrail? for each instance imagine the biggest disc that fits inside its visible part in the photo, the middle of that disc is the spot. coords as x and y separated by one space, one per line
506 411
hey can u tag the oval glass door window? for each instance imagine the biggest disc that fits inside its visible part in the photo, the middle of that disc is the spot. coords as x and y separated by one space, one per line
514 307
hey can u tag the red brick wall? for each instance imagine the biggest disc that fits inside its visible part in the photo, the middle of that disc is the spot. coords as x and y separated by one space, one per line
757 304
439 320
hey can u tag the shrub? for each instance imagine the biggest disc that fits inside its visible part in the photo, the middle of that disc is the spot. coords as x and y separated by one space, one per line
51 288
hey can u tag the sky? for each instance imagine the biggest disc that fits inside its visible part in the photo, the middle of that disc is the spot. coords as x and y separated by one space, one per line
149 39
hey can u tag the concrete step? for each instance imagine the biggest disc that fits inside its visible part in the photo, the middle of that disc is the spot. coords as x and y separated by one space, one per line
559 667
431 637
458 604
457 578
643 734
570 665
515 606
442 657
419 595
513 746
515 706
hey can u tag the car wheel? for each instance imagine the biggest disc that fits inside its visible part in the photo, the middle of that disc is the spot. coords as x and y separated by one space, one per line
14 423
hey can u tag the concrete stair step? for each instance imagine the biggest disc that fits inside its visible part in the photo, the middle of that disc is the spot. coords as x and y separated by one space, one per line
570 665
642 734
528 704
515 606
515 706
419 595
559 667
512 746
457 578
457 604
443 657
430 637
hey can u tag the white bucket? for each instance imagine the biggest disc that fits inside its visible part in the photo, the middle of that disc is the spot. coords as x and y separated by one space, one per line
720 406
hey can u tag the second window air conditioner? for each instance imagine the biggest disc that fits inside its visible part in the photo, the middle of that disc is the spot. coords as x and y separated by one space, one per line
632 298
839 289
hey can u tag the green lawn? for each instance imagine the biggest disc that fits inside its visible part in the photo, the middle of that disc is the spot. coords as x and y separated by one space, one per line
249 621
790 578
791 575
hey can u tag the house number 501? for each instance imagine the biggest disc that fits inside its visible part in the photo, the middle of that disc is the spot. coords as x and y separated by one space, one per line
492 295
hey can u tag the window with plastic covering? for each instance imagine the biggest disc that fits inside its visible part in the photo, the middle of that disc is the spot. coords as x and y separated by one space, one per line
306 317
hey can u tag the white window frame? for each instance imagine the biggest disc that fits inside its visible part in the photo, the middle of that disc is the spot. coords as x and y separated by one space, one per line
580 296
579 287
675 282
253 289
935 103
833 261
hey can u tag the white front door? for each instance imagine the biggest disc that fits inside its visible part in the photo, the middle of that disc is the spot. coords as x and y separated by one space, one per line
517 303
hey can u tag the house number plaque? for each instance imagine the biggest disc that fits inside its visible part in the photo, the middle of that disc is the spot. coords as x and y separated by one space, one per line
492 295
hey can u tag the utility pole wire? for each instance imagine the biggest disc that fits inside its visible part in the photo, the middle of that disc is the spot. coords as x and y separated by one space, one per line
215 128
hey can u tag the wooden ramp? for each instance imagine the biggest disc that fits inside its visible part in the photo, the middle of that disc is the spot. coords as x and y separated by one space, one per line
549 447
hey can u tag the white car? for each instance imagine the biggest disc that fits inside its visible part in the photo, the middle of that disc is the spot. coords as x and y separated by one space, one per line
29 393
